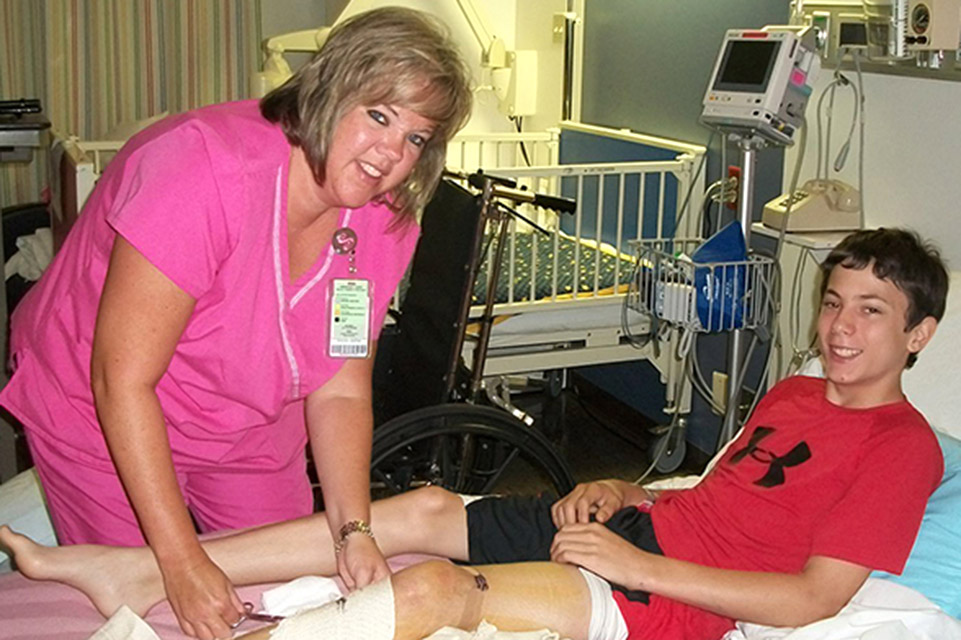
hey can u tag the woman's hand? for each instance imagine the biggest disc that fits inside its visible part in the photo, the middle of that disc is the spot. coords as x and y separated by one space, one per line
202 598
361 562
602 499
599 550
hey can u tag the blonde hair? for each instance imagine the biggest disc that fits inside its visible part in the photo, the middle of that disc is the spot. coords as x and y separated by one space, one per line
385 56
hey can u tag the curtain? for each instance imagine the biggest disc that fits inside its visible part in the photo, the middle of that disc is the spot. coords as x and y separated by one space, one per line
97 63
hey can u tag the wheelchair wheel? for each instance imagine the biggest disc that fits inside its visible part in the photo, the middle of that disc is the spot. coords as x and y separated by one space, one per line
464 448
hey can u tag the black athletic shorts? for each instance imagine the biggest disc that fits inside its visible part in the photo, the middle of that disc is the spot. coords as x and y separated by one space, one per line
520 529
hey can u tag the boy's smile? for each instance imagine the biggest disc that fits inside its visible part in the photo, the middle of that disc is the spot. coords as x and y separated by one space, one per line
863 338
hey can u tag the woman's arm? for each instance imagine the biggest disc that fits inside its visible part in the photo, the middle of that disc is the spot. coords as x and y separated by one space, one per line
818 591
340 421
141 317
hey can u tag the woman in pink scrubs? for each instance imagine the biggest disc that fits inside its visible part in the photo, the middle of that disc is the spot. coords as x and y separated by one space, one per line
217 304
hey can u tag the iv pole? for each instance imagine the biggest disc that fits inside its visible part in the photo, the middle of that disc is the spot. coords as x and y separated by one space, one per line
749 146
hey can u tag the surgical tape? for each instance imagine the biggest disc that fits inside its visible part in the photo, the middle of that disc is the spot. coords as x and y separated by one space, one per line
367 613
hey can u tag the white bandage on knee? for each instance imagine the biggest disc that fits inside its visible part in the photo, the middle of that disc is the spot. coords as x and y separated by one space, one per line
367 613
606 618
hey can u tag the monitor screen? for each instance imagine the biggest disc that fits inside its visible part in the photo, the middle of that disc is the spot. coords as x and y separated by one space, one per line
747 65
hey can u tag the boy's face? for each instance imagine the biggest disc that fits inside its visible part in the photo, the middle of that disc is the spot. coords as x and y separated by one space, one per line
863 340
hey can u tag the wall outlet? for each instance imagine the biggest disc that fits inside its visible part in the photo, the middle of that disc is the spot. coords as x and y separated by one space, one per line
719 390
733 184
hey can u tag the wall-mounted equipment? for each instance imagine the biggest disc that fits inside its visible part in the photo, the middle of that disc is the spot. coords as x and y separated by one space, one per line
913 37
886 21
510 75
761 83
933 25
276 69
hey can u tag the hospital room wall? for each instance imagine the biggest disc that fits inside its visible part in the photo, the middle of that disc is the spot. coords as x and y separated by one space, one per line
911 162
522 25
646 65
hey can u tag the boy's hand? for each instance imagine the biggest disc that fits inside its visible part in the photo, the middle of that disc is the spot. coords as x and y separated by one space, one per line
599 550
602 499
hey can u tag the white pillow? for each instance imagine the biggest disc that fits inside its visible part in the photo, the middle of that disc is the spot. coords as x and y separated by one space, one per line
22 507
933 384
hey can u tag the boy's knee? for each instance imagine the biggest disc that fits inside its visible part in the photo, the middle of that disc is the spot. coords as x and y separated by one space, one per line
436 501
437 594
433 582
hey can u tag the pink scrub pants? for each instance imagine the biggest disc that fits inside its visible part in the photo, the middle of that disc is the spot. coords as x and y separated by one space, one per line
88 505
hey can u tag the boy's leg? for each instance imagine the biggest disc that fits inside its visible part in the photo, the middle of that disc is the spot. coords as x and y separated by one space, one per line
432 595
429 520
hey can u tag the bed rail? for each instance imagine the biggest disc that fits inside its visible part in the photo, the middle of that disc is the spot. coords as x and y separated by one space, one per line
586 259
469 152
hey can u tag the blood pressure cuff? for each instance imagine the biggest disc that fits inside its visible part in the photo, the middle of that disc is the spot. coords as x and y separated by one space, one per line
721 288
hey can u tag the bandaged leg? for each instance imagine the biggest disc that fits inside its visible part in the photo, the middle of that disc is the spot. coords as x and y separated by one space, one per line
367 613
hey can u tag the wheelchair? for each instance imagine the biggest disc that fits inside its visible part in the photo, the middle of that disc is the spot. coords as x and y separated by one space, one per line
433 423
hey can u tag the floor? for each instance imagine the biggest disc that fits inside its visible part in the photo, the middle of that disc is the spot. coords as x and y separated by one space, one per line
601 437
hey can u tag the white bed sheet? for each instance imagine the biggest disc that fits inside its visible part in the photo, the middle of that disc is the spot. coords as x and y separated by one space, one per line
881 610
520 328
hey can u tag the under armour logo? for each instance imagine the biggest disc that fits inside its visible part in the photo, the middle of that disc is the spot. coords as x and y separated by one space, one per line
777 464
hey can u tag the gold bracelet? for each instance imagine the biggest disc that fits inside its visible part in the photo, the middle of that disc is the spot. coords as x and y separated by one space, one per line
349 528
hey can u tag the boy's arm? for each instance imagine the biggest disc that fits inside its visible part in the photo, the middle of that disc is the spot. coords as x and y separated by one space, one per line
818 591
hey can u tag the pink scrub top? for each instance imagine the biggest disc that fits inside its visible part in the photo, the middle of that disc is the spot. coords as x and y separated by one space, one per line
202 196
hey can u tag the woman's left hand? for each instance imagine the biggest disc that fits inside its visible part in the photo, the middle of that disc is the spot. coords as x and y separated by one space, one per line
361 562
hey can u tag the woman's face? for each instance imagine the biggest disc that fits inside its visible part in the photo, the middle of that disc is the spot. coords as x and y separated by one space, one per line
373 150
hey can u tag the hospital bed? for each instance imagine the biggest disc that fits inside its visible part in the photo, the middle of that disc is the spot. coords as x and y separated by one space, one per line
40 610
44 610
561 296
49 611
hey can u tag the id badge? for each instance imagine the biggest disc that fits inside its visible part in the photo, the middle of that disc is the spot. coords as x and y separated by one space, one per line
350 303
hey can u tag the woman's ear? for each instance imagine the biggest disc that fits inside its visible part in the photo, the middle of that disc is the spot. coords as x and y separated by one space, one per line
921 334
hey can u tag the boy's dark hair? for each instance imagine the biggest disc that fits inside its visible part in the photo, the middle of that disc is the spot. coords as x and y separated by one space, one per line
901 256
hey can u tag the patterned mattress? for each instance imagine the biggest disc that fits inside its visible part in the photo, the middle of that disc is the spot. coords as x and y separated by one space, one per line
534 253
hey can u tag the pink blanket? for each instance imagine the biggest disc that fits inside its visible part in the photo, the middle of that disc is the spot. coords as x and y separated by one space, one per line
32 610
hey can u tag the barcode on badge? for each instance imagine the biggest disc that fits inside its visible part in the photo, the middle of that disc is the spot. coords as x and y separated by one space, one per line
348 350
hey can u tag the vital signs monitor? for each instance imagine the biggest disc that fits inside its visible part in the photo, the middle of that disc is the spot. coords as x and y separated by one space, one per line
761 83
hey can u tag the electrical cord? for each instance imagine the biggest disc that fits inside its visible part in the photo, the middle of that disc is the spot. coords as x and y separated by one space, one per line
664 439
802 147
690 187
822 155
799 352
704 223
518 125
857 67
657 327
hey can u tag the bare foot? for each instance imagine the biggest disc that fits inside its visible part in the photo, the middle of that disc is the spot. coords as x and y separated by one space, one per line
109 576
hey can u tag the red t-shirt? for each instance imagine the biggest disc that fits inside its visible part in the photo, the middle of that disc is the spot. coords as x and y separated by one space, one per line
805 478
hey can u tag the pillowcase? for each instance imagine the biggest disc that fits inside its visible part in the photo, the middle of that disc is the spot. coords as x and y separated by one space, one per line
934 566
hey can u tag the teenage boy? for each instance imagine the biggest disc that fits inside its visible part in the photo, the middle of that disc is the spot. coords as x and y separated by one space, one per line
827 482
